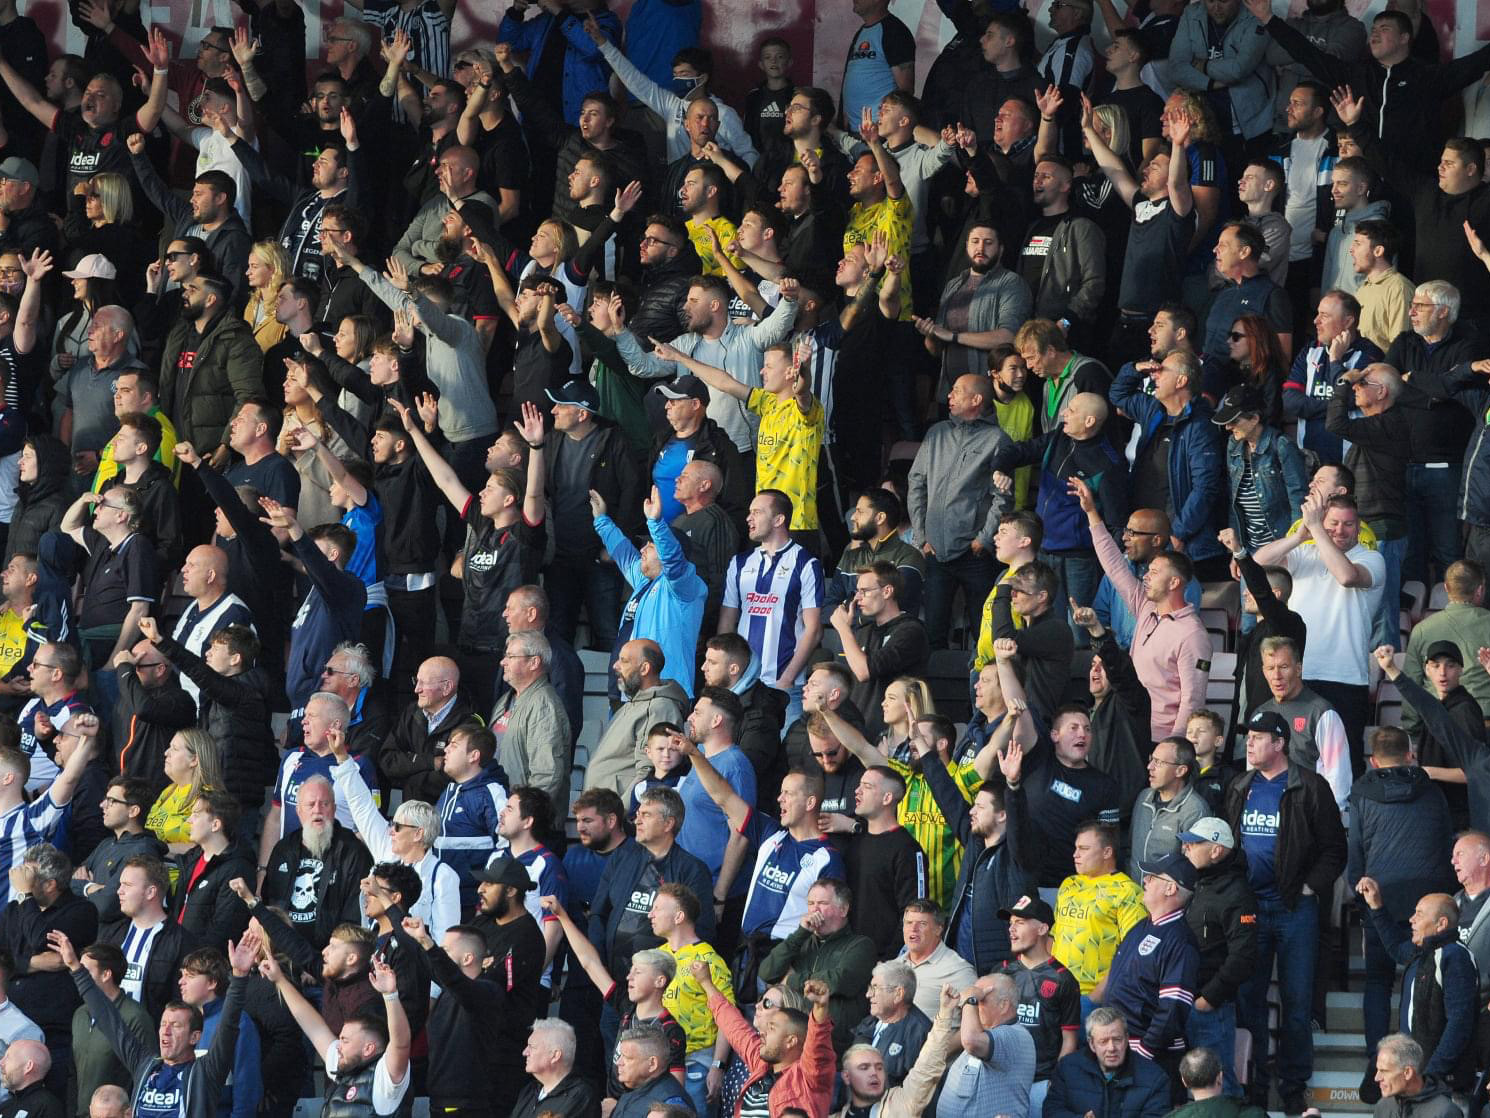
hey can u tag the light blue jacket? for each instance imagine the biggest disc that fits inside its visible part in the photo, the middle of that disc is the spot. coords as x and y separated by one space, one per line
1281 476
1241 72
668 609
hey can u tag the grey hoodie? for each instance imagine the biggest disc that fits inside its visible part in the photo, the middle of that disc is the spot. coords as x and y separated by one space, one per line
617 761
1338 270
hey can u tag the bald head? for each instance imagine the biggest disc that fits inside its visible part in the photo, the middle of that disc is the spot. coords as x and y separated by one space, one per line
204 575
1085 414
435 683
1441 906
25 1062
109 1101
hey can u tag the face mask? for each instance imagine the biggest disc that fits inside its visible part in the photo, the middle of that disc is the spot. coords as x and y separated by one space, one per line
684 86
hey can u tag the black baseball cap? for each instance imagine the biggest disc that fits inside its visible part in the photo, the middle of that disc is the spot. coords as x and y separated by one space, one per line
1029 908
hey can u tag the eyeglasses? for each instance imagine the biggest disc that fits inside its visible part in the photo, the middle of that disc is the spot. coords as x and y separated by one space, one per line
116 508
116 801
43 664
1237 336
178 255
647 240
1022 590
1163 761
1132 532
397 826
208 44
330 229
329 670
149 664
1419 305
463 65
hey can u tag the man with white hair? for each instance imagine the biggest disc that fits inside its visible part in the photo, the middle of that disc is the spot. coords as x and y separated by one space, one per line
325 714
870 1089
409 839
349 673
531 726
993 1072
549 1059
314 872
895 1028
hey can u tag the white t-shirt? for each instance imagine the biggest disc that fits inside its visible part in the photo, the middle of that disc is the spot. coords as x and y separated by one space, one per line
1340 617
387 1095
215 153
1303 197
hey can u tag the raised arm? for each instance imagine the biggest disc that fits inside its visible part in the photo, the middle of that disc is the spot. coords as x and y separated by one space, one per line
440 471
888 167
1181 196
1111 164
159 52
26 93
715 378
735 809
311 1023
1340 567
585 952
28 315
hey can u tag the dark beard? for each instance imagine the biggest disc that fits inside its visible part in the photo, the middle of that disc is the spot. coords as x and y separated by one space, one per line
980 269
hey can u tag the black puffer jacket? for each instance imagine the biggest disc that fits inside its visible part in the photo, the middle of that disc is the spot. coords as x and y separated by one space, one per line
235 711
659 314
40 503
1401 835
207 908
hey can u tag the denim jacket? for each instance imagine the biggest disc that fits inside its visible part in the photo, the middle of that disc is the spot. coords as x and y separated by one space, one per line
1282 481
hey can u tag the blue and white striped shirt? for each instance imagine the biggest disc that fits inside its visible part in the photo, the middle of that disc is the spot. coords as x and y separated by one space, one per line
771 591
21 828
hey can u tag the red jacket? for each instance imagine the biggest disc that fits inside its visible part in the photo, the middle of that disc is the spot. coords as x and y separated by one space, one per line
807 1084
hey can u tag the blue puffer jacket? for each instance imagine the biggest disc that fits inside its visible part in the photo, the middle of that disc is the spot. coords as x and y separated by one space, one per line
584 70
1197 477
1282 480
1140 1089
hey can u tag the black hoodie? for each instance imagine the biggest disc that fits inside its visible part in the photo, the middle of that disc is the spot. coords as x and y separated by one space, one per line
40 503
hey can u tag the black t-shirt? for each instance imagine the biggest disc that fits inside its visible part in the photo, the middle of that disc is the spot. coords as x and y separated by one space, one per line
475 300
764 117
497 561
1151 470
1153 263
116 577
1061 799
1036 251
1049 1003
1142 107
1468 910
504 158
303 902
839 786
634 928
535 370
272 475
90 150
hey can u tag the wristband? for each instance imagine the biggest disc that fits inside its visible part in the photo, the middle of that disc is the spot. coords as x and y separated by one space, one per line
537 446
393 997
160 70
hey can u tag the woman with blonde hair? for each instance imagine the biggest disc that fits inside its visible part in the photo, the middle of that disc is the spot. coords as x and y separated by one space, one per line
303 410
100 220
193 764
268 268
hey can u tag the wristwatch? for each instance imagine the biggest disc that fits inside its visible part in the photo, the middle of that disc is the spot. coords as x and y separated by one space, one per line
718 1065
971 999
